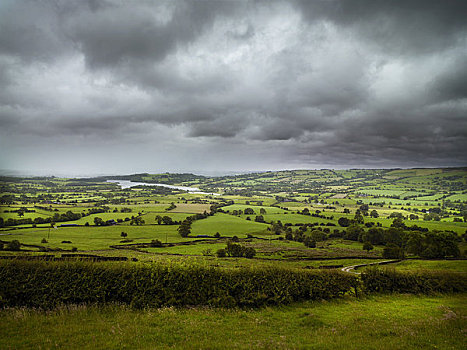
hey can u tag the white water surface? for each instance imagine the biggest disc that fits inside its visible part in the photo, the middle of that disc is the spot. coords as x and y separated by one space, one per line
128 184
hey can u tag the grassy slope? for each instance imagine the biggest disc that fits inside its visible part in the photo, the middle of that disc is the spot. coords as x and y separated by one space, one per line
380 322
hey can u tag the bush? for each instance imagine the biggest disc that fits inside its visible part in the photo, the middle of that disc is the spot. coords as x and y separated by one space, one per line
207 252
249 252
367 246
310 243
49 284
155 243
44 240
221 253
14 245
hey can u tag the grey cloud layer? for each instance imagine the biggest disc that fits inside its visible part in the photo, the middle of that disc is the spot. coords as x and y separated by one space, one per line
300 83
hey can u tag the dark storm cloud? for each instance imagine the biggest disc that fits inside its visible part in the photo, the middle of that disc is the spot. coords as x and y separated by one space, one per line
452 84
400 26
296 83
116 34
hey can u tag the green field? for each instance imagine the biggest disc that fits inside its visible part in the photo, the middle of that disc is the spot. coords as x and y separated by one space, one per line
381 322
304 227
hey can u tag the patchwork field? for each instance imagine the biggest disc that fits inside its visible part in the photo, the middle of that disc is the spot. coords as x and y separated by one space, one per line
299 221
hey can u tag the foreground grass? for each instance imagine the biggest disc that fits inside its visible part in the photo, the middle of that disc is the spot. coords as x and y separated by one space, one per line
379 322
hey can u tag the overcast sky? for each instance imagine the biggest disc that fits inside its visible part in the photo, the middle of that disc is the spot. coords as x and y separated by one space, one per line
101 87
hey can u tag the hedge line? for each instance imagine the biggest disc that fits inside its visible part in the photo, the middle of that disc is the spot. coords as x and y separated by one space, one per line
48 284
389 280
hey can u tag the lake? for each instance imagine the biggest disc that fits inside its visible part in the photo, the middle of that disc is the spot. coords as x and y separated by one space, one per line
128 184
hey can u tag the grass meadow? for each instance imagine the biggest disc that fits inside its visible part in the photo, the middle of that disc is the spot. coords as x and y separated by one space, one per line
377 322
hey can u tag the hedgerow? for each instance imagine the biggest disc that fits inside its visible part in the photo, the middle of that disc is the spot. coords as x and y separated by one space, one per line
48 284
420 282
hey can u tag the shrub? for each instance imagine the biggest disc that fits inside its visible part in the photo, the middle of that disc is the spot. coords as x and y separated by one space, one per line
233 249
14 245
44 240
249 252
310 243
367 246
156 243
207 252
221 253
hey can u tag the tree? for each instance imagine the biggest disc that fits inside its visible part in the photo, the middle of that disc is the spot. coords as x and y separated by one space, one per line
234 249
353 232
123 234
221 253
318 236
185 228
98 221
364 207
249 252
159 219
171 207
259 218
358 218
262 211
392 251
138 220
14 245
440 245
249 211
310 243
167 220
414 244
394 235
155 243
367 246
375 235
374 214
398 222
343 221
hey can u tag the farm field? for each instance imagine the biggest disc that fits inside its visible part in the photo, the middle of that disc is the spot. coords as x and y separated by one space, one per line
296 221
275 213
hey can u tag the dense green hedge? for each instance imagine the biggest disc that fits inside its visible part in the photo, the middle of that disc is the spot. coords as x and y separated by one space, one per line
48 284
424 282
